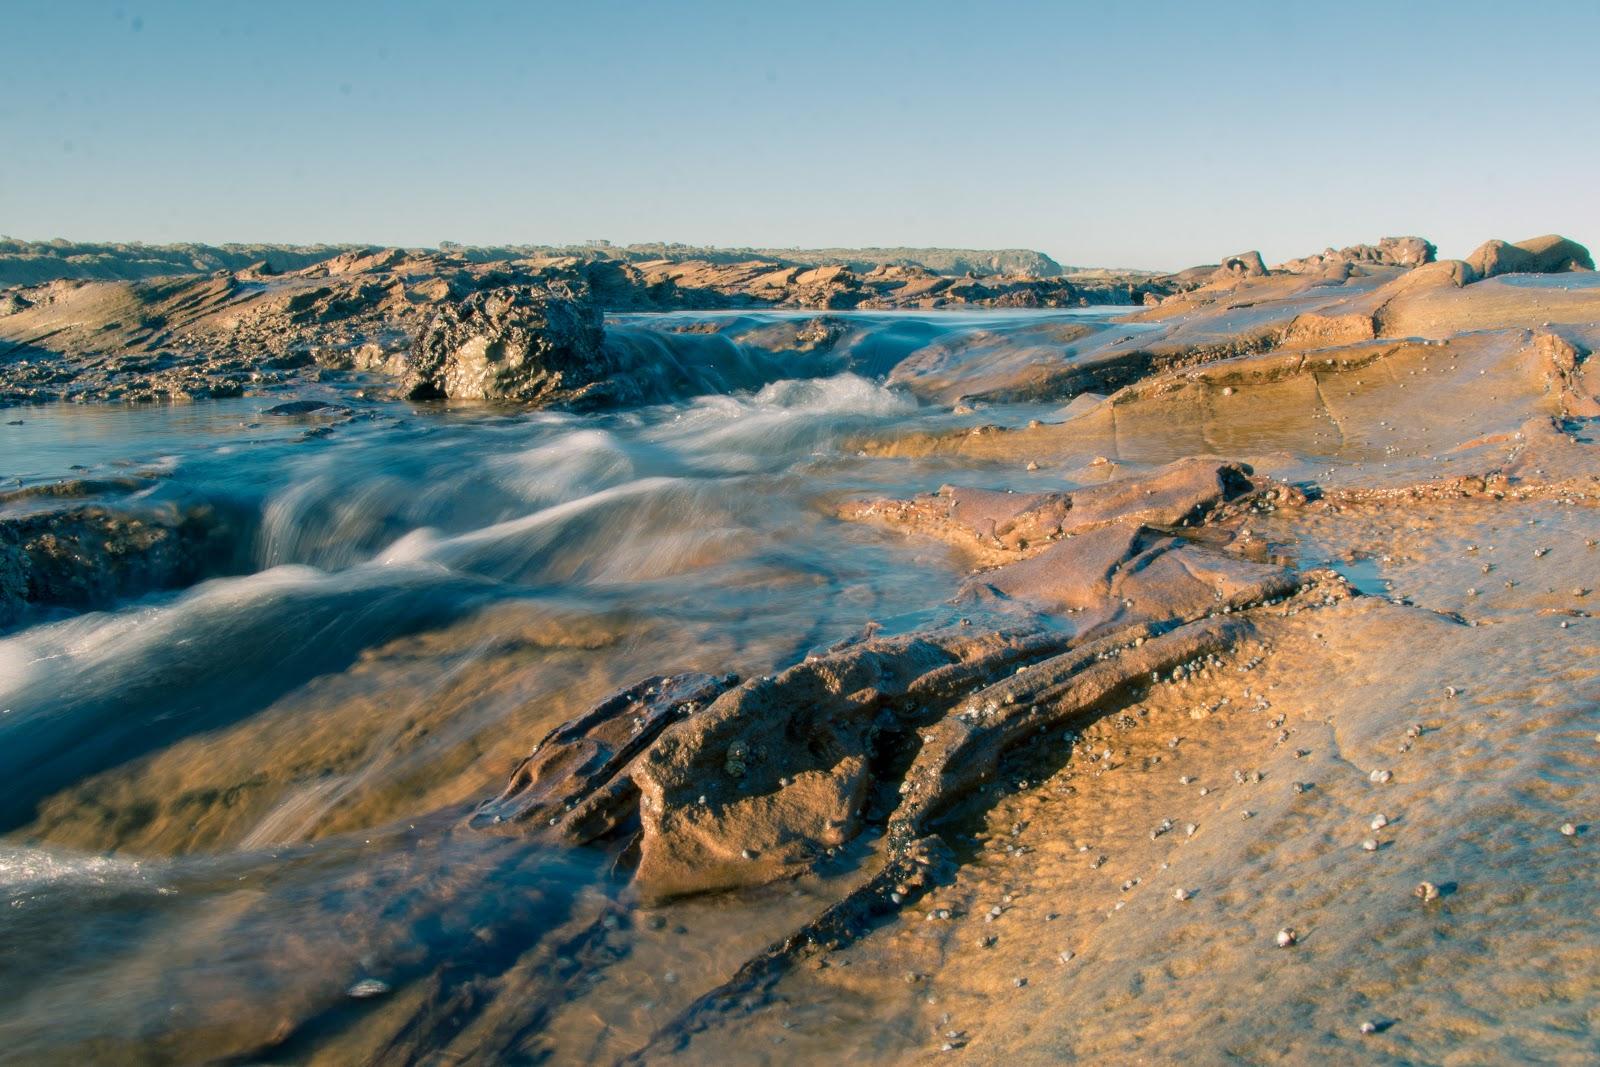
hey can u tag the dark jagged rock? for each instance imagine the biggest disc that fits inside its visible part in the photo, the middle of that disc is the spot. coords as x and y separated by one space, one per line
90 556
521 343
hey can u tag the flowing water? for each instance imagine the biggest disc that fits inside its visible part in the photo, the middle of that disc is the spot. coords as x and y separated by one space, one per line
233 828
217 793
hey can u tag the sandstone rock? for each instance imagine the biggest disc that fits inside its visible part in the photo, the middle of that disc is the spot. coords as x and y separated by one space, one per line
1499 257
994 524
575 778
522 343
1243 265
1127 573
1405 252
779 769
1554 254
1550 254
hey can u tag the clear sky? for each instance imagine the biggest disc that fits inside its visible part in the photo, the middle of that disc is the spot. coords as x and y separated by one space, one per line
1109 133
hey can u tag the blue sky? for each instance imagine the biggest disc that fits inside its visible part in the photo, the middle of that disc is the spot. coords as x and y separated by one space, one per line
1139 134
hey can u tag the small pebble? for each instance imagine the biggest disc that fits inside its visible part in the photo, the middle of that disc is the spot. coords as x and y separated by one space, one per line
1568 830
1287 937
1180 893
1380 777
1369 1028
1379 821
368 987
1369 845
1426 891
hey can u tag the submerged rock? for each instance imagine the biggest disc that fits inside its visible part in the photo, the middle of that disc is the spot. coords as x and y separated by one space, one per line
306 407
90 556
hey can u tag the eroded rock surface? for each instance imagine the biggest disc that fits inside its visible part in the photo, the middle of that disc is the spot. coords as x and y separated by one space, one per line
780 771
1145 718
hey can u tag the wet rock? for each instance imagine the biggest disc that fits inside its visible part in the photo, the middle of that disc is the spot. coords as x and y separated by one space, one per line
1127 572
305 407
368 988
575 781
527 344
90 556
811 739
962 750
996 525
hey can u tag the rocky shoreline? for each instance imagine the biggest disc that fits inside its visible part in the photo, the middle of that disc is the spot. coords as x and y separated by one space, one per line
1276 611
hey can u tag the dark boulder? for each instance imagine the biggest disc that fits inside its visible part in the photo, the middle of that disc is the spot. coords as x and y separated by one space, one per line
91 556
523 343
